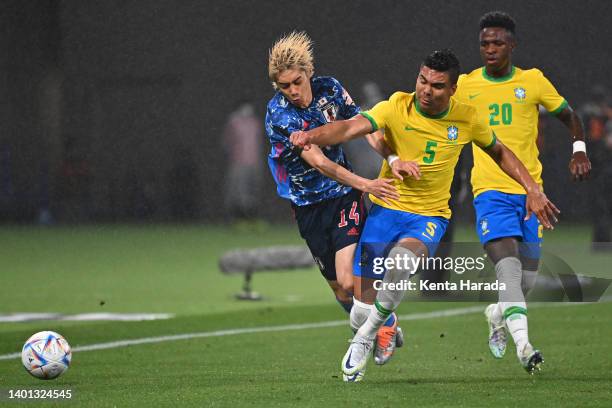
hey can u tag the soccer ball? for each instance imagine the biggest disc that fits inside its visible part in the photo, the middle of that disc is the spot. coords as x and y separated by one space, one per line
46 355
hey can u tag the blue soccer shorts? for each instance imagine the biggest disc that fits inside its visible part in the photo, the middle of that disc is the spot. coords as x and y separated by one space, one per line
502 215
384 227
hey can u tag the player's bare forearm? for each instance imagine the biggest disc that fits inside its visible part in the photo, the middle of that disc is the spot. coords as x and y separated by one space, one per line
340 174
332 133
377 142
381 188
537 202
512 166
579 165
573 122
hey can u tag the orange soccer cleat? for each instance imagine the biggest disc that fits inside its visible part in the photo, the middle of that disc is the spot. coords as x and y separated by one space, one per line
387 339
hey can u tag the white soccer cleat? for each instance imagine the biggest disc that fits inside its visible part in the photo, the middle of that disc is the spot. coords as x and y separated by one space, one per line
356 356
498 337
358 376
530 358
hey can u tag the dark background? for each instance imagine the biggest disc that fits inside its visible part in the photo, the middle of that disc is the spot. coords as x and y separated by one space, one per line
112 111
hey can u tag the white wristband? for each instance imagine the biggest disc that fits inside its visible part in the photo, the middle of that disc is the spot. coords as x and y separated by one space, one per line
579 146
391 158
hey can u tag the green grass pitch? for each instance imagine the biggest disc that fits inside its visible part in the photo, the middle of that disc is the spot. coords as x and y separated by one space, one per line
173 269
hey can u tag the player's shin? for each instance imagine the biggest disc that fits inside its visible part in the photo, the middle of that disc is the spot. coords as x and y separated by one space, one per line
529 280
388 297
512 301
497 316
359 314
530 268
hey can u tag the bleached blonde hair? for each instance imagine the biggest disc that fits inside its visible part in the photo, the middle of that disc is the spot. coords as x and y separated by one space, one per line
293 51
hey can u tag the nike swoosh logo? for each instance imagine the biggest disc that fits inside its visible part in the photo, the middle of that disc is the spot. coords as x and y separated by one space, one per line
348 365
473 96
409 128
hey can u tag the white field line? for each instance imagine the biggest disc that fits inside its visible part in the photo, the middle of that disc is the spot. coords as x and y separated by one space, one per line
119 317
264 329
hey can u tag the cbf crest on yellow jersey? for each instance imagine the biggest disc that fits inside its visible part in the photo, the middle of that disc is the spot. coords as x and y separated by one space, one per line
434 142
510 106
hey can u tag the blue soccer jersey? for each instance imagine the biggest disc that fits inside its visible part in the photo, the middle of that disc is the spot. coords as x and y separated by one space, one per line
295 179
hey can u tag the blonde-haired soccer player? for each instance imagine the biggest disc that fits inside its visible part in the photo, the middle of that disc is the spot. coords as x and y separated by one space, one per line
291 52
508 97
429 127
325 194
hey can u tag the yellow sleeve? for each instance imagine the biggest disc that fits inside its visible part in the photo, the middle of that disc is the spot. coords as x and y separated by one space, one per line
482 134
378 115
460 94
549 97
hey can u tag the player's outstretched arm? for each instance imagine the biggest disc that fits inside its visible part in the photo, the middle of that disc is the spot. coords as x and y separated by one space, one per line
579 165
332 133
381 188
398 167
537 202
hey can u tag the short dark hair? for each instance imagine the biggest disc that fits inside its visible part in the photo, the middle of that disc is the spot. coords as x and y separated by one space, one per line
498 19
444 61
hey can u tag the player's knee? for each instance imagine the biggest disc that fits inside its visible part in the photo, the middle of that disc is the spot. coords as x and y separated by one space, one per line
347 285
344 276
499 249
404 268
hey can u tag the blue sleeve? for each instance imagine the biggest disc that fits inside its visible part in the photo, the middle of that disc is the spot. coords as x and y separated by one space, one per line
278 128
348 108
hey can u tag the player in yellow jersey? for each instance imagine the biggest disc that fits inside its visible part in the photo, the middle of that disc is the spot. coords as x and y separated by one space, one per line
507 97
429 128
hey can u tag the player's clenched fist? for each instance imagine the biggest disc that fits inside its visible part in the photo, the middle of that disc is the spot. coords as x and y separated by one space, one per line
300 139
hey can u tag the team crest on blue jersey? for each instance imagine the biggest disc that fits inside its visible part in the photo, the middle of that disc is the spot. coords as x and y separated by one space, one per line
453 133
328 109
330 112
520 93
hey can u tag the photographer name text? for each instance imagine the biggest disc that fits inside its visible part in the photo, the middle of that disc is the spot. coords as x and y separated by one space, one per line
426 285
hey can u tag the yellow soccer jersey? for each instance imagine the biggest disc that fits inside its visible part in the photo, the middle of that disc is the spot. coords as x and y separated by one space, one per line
434 142
510 106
